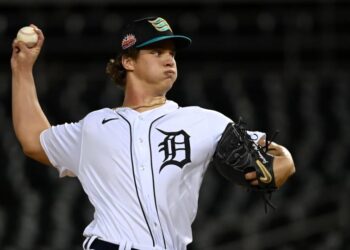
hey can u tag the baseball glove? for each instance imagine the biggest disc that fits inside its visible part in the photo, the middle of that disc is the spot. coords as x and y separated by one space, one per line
237 154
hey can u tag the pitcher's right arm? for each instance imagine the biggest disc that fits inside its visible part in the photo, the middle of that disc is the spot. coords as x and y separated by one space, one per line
28 117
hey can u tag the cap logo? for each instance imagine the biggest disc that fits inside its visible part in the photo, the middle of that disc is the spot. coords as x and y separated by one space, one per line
160 24
128 41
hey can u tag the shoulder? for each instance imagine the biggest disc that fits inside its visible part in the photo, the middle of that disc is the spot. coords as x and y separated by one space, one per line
73 129
209 114
209 122
94 119
98 114
212 121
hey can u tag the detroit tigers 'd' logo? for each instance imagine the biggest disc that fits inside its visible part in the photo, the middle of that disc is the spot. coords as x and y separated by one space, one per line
176 148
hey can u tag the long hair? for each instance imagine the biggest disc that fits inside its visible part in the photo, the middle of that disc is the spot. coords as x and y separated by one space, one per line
115 68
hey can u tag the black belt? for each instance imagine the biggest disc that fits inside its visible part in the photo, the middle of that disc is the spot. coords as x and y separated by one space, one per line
104 245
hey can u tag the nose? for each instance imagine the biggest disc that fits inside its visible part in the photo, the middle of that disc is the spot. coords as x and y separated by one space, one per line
169 59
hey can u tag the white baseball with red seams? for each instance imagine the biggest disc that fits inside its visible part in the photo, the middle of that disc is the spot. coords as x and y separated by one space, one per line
27 35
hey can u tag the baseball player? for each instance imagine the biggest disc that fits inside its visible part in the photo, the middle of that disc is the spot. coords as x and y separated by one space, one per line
141 164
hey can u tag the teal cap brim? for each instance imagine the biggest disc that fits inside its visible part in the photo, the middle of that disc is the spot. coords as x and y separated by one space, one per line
181 42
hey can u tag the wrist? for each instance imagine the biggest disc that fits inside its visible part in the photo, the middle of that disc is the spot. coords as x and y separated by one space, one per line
24 75
22 71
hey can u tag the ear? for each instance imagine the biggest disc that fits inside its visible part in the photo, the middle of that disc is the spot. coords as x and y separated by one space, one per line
128 63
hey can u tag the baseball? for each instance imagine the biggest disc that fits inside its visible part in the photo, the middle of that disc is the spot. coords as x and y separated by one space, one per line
28 36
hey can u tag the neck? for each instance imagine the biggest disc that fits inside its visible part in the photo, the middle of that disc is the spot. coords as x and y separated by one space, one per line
142 100
145 104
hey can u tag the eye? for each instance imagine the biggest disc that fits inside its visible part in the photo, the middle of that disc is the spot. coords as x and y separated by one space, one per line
155 52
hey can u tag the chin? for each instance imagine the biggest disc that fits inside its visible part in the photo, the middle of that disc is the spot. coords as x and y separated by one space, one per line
171 82
166 85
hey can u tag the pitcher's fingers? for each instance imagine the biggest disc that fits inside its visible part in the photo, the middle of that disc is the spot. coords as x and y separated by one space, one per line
19 46
15 48
41 37
15 43
34 26
250 176
254 183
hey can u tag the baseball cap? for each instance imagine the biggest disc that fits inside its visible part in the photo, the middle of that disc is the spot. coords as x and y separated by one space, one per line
149 30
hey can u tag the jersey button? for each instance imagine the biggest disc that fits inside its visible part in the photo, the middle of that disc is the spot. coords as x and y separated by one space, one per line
140 140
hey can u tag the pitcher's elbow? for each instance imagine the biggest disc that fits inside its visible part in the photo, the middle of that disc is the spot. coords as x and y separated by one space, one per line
30 147
28 150
292 169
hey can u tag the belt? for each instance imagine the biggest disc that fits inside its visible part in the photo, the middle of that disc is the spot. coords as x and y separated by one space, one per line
104 245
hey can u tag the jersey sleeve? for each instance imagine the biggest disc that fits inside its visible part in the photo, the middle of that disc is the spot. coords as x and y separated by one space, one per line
217 123
62 145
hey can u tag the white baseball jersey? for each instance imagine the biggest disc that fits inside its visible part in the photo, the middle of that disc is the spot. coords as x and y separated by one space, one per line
141 171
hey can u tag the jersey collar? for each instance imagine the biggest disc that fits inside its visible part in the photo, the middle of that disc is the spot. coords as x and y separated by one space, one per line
166 108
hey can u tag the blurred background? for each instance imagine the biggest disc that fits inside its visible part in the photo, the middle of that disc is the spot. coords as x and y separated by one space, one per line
279 64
